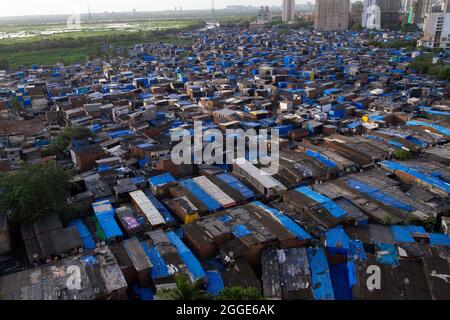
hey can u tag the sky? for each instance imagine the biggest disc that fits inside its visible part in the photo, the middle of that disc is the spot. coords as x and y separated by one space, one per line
42 7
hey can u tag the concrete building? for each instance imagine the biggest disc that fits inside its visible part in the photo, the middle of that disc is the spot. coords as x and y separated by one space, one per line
436 31
420 9
356 12
332 15
288 10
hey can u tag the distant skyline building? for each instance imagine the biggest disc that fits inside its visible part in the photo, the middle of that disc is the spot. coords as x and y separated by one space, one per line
420 9
356 12
436 28
288 9
332 15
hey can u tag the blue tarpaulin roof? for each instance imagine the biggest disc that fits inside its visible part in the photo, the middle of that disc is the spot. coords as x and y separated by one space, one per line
190 185
117 134
340 281
435 181
161 179
387 254
187 256
405 233
240 231
321 158
320 275
334 209
106 219
109 225
215 283
168 218
438 128
337 239
159 269
145 294
379 195
439 239
234 183
357 251
287 222
85 235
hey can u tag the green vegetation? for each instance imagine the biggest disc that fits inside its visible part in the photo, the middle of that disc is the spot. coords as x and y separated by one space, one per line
403 155
397 44
185 290
59 145
238 293
430 224
4 63
407 27
35 191
424 65
78 46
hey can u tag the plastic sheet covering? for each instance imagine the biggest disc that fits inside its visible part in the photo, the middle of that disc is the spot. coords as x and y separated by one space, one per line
215 283
379 195
340 281
159 269
287 222
436 127
187 256
201 195
320 275
337 241
387 254
318 156
434 181
234 183
439 239
334 209
85 235
240 230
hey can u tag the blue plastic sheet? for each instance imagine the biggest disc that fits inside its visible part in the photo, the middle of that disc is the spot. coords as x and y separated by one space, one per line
240 231
85 235
379 195
387 254
434 181
215 283
320 275
287 222
321 158
439 239
201 195
340 281
337 241
194 266
236 184
334 209
159 269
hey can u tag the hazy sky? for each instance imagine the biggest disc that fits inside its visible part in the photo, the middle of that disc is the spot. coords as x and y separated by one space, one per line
37 7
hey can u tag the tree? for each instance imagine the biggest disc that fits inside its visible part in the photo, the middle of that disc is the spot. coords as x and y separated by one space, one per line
36 190
403 155
185 290
60 144
238 293
16 106
4 63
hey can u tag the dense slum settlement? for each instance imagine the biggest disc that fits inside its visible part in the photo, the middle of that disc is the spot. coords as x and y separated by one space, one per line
362 187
